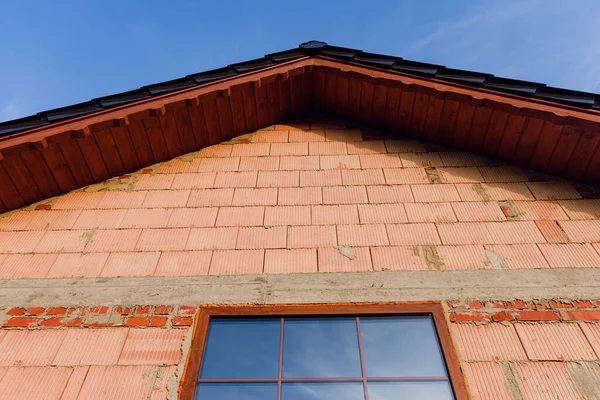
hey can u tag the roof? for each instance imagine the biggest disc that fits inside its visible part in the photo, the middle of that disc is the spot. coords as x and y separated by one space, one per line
551 130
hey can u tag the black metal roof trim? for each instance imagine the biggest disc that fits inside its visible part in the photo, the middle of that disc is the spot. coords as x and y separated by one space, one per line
285 55
16 125
252 65
75 110
122 98
170 86
213 75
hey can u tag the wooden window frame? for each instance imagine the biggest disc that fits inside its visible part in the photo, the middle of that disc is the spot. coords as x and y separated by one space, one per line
189 380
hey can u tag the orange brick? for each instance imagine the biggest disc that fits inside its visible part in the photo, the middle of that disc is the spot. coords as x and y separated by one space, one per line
397 258
478 211
19 242
380 161
366 147
251 149
290 215
430 212
78 201
328 148
163 239
210 197
300 196
553 190
460 175
278 178
320 178
192 217
130 264
551 231
389 194
122 200
464 233
418 160
311 236
219 164
503 174
17 266
212 238
398 176
343 135
262 238
339 162
275 136
313 135
166 198
236 179
382 213
520 256
362 235
413 234
539 210
53 220
344 195
457 159
463 257
219 150
77 265
183 263
331 260
580 315
229 262
304 163
513 232
554 342
182 321
363 177
255 197
536 316
240 216
198 180
113 240
405 146
62 242
581 209
582 231
289 149
290 261
259 164
146 218
571 255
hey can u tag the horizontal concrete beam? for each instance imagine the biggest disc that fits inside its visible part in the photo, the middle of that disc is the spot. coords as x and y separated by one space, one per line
305 288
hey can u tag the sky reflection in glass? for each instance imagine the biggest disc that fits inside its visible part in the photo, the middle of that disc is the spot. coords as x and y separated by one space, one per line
410 391
236 391
322 391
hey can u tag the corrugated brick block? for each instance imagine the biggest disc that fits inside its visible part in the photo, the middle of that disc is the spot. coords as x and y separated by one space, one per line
287 215
255 197
514 232
430 212
419 160
434 193
192 217
17 221
503 174
289 149
163 239
236 179
592 333
328 148
519 256
229 262
118 382
153 182
197 180
380 161
77 265
219 150
540 210
116 200
405 146
546 380
219 164
251 149
570 255
99 219
212 238
345 195
19 242
178 166
582 231
262 238
240 216
313 135
332 260
553 190
152 346
363 177
30 347
343 135
339 162
130 264
551 231
389 194
486 381
463 257
78 201
165 374
311 236
166 198
362 235
488 342
278 179
299 196
397 259
478 211
259 164
304 163
34 383
457 159
320 178
145 218
382 214
18 266
210 198
581 209
274 136
113 240
465 233
403 176
413 234
75 383
366 147
91 347
52 220
62 242
290 261
506 191
554 342
460 175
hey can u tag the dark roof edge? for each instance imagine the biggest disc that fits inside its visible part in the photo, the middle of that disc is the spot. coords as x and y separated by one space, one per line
312 49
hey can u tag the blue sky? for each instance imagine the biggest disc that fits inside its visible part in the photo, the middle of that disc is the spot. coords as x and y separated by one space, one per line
57 53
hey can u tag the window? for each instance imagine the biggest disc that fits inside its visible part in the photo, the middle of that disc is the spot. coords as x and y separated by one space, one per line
306 352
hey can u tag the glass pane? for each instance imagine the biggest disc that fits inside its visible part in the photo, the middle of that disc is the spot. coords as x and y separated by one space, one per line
241 348
237 391
322 391
320 348
410 391
401 346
